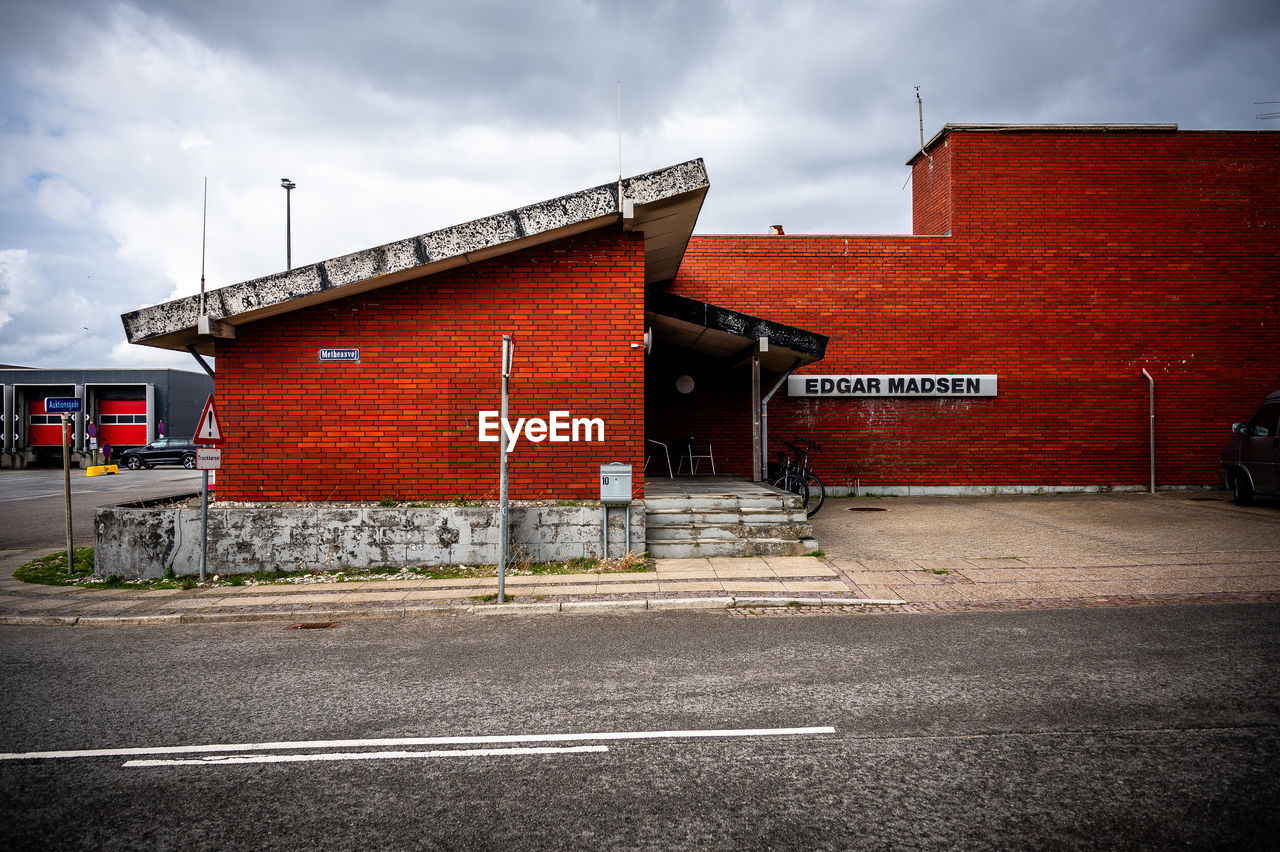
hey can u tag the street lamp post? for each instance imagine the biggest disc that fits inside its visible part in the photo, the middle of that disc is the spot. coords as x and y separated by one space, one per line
288 223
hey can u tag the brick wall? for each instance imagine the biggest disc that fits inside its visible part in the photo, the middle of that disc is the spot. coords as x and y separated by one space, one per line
931 191
1077 259
402 423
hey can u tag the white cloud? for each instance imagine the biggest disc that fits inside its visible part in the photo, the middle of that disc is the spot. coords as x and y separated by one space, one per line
397 117
18 282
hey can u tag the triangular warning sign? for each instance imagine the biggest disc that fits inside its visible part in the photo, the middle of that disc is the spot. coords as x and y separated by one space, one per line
208 430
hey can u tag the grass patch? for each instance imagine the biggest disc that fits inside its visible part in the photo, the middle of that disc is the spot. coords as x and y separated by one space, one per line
817 553
51 570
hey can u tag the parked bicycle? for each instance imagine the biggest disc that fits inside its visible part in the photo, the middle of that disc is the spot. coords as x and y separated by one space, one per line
795 475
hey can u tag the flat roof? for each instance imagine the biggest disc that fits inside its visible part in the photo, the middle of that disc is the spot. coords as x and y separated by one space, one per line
684 323
663 204
1038 128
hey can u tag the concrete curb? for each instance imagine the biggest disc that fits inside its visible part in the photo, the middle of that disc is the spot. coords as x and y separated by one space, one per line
112 620
602 606
427 610
737 602
690 603
38 620
514 609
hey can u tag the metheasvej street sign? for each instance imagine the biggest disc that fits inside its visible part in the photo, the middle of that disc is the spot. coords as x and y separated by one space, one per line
350 355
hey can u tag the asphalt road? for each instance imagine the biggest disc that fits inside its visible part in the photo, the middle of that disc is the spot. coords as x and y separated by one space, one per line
33 501
1127 728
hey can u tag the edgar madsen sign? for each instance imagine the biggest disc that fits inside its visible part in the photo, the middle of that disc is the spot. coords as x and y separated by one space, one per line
926 385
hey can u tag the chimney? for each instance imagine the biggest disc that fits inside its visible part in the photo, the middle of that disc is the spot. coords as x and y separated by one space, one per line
776 231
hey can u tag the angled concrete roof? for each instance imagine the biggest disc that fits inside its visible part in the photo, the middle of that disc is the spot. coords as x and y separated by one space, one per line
663 204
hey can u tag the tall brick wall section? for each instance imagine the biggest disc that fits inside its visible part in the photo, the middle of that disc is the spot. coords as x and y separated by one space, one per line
931 191
402 423
1077 259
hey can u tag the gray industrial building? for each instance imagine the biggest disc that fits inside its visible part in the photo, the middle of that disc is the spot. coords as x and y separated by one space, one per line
121 408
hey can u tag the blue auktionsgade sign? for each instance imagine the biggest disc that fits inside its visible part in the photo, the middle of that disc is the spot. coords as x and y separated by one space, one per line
339 354
62 405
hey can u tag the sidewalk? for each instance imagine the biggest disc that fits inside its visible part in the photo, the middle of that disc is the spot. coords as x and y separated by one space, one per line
900 555
746 586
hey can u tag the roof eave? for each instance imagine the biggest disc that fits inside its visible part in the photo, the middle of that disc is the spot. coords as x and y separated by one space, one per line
666 206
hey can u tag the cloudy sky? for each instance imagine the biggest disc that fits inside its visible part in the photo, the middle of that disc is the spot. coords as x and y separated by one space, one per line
397 117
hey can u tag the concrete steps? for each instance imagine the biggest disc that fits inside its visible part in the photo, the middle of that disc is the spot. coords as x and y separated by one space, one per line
761 523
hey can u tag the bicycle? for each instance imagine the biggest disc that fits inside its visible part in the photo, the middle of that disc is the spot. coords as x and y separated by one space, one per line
797 477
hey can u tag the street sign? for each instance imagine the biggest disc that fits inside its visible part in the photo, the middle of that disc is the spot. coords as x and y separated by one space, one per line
208 458
351 355
208 430
62 405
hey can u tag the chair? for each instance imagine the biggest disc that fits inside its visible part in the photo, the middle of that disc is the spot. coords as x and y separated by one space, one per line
665 454
692 454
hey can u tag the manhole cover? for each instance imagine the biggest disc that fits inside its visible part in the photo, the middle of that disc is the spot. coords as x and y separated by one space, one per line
313 625
867 509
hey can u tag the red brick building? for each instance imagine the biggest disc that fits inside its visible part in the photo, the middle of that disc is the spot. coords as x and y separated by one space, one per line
1062 261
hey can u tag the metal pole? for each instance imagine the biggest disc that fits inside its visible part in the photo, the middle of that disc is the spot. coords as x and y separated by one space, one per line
66 484
204 522
1151 438
502 473
289 186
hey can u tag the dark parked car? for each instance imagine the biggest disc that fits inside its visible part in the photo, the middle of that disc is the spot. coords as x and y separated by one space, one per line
163 451
1251 460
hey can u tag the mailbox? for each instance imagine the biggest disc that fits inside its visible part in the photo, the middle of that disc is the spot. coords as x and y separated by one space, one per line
615 484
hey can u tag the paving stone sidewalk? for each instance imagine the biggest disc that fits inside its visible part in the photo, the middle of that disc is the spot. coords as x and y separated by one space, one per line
745 586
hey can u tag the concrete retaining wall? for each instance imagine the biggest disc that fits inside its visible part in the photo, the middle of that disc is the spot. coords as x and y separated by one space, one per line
150 542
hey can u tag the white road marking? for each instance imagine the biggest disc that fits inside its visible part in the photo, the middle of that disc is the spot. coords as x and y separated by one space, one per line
225 759
421 741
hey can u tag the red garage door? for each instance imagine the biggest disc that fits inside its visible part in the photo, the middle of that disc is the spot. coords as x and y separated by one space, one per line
122 422
45 430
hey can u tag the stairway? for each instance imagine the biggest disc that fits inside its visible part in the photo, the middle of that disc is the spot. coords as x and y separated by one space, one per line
734 518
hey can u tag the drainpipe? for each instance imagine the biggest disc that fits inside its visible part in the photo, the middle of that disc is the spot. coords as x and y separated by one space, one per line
1151 440
764 420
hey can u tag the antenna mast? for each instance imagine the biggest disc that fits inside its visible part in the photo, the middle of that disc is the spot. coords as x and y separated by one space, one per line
204 223
920 106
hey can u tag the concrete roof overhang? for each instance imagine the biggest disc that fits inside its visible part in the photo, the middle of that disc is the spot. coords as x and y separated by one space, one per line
684 323
663 204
